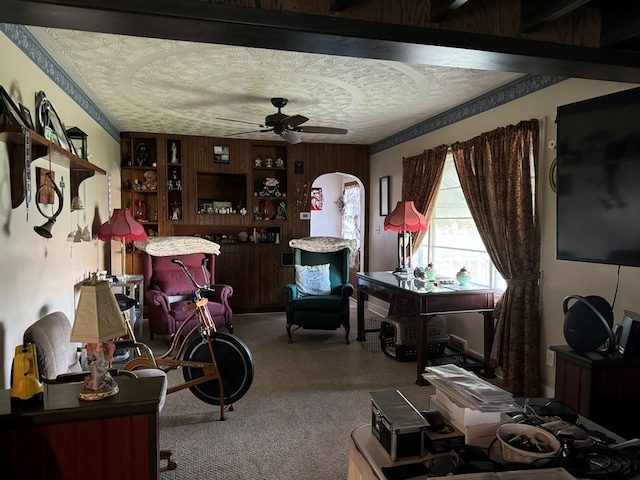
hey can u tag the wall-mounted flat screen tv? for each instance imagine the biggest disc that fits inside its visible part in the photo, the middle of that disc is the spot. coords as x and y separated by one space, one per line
598 178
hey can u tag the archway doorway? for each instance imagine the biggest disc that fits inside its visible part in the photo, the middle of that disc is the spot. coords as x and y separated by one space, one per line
338 210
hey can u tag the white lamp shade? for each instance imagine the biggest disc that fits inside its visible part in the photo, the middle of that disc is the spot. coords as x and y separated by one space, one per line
98 316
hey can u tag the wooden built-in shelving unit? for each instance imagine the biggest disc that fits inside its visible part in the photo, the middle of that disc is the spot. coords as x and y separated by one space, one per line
255 268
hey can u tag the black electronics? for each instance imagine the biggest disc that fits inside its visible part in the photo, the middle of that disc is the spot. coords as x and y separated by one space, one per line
587 324
628 335
598 173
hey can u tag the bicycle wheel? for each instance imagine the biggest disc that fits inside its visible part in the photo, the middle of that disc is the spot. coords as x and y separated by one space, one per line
235 367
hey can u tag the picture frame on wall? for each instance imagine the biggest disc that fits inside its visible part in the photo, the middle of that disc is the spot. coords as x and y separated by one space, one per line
384 196
26 115
9 112
221 154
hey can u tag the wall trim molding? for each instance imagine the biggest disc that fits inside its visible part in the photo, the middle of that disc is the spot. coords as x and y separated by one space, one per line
507 93
22 37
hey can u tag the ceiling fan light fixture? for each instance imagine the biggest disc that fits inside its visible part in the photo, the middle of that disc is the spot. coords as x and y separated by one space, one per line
286 126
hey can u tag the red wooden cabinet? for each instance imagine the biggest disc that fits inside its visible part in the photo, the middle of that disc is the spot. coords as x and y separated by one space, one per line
603 388
71 439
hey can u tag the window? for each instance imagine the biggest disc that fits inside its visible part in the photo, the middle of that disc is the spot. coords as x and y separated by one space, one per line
452 240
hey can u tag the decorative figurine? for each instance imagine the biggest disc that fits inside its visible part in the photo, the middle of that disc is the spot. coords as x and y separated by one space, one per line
150 180
269 162
463 276
431 271
257 162
270 188
279 163
142 155
174 153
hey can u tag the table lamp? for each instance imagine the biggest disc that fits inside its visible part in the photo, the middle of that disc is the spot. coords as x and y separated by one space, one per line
405 219
97 323
122 227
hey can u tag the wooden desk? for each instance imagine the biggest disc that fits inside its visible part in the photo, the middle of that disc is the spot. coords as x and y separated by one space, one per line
72 439
405 297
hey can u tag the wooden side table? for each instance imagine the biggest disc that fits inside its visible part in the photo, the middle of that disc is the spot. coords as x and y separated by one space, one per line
603 388
68 438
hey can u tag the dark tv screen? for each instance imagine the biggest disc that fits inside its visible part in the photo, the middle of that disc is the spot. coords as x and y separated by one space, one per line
598 178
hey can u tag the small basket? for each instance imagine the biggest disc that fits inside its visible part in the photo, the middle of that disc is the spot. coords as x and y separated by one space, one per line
512 454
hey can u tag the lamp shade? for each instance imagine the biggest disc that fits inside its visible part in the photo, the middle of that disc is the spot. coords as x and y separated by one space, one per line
98 316
405 217
121 227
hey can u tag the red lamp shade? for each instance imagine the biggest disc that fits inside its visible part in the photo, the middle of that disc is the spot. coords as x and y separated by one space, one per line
121 227
405 217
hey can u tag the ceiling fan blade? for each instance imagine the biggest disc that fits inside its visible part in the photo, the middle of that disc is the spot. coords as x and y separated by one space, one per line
294 120
238 121
242 133
310 129
291 137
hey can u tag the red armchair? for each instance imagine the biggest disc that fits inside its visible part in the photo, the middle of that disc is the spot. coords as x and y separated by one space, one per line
168 290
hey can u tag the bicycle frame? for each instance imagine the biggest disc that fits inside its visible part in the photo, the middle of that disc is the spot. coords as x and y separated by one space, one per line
173 358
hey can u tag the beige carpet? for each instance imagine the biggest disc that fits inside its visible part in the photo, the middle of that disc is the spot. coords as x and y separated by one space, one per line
295 421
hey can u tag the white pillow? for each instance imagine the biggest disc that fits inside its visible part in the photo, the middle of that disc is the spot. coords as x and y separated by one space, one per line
313 279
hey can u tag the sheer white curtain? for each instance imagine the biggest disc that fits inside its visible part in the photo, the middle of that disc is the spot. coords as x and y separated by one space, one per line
351 219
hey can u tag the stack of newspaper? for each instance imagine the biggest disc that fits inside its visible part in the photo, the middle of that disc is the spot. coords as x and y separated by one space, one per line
468 390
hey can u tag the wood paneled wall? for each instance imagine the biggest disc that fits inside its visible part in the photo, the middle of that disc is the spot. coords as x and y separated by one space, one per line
255 271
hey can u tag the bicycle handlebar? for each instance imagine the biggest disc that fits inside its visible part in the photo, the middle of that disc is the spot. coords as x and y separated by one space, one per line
199 287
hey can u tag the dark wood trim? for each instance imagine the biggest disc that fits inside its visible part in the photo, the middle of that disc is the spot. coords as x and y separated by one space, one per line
264 28
536 12
620 24
440 10
341 5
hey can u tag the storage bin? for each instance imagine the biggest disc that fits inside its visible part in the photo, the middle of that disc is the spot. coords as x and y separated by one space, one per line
399 337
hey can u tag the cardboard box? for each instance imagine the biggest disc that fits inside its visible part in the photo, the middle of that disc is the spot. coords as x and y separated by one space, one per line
461 416
478 435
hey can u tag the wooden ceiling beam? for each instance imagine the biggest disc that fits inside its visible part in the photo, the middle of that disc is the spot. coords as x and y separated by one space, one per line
533 13
341 5
440 10
620 24
251 27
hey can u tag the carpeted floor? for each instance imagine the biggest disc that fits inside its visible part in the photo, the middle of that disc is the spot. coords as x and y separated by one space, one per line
295 421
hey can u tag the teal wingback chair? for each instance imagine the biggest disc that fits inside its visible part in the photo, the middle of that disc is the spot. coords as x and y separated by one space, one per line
321 311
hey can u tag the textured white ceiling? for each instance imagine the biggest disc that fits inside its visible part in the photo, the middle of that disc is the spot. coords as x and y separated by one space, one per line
153 85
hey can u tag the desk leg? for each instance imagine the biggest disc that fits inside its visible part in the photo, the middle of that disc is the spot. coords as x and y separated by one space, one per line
422 350
489 332
361 337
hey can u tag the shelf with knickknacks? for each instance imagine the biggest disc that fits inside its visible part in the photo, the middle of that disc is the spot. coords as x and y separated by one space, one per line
174 183
176 211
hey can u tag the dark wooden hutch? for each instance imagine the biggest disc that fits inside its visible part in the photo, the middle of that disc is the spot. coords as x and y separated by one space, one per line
206 190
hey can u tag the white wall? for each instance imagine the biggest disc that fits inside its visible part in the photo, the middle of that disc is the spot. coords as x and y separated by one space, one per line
38 275
559 278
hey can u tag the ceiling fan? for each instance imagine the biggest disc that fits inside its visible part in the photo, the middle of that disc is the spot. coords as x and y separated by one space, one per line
286 126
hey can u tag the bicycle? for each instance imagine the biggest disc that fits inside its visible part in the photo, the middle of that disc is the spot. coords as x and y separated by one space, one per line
217 367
